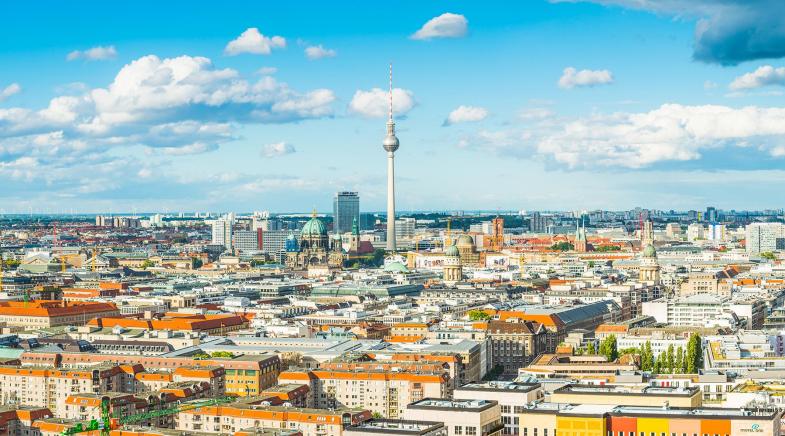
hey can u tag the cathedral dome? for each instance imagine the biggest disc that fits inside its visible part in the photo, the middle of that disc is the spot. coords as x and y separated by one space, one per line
314 227
465 240
452 250
649 251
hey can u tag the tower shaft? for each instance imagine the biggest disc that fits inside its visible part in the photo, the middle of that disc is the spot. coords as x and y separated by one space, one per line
391 243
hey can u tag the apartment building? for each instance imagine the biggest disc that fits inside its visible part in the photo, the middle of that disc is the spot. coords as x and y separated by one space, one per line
515 344
511 396
627 395
382 392
228 419
244 375
400 427
48 387
461 417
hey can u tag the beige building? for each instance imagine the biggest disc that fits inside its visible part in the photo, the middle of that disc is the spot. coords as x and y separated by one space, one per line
384 392
511 396
228 419
461 417
707 282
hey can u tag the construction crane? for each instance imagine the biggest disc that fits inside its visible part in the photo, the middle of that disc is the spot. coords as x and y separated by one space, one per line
108 422
447 239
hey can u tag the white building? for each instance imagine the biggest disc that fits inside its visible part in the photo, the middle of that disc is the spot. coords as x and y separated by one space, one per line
695 232
222 232
762 237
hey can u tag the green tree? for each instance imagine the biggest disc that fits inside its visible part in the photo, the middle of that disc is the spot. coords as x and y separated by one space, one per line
608 348
670 359
147 263
196 263
478 315
562 246
590 348
226 354
679 361
647 357
768 255
661 363
694 354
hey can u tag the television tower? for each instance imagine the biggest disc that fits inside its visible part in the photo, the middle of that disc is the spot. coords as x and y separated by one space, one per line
390 145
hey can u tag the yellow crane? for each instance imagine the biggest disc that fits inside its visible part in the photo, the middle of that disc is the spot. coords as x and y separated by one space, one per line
448 239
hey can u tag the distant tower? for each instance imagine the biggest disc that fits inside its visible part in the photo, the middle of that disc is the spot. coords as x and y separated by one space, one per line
581 244
390 145
354 242
497 239
647 233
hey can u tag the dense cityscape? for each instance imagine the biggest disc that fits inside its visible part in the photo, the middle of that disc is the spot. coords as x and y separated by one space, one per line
414 266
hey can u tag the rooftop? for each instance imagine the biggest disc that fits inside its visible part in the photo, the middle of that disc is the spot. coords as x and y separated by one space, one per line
447 404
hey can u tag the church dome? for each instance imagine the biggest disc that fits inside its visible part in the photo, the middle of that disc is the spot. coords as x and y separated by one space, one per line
452 250
314 227
465 240
649 251
396 267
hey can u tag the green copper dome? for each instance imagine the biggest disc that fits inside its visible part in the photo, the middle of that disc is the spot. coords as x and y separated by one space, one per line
452 250
396 267
649 251
314 227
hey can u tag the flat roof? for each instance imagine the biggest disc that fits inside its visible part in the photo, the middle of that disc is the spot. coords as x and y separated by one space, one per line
395 426
504 386
447 404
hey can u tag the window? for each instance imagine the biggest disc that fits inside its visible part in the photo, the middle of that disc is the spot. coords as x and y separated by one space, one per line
471 431
458 429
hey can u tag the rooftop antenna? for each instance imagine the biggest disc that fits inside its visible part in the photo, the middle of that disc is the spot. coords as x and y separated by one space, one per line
391 95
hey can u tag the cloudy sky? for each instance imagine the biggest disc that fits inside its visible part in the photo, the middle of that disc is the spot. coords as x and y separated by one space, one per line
186 106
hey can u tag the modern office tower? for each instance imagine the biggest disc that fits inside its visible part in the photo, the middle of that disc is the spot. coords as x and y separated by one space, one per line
711 214
538 223
391 144
404 228
222 232
346 209
762 237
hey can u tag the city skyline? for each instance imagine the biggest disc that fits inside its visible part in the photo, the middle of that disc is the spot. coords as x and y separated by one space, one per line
562 105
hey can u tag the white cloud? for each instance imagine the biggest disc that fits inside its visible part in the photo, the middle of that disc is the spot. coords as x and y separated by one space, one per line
98 53
465 114
278 149
319 52
266 71
10 90
253 42
670 133
709 85
763 76
535 113
572 78
375 103
446 25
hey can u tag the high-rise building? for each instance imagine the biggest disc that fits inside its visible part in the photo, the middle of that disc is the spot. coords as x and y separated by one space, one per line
711 215
716 232
538 223
346 209
391 144
763 237
222 232
273 242
405 228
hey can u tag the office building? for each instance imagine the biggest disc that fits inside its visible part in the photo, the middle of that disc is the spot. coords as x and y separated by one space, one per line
763 237
246 241
346 209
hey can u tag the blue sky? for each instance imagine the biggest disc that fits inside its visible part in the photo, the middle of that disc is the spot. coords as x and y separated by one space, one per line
170 106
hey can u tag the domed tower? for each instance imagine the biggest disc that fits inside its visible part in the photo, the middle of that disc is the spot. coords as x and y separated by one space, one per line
649 270
453 270
314 235
391 144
